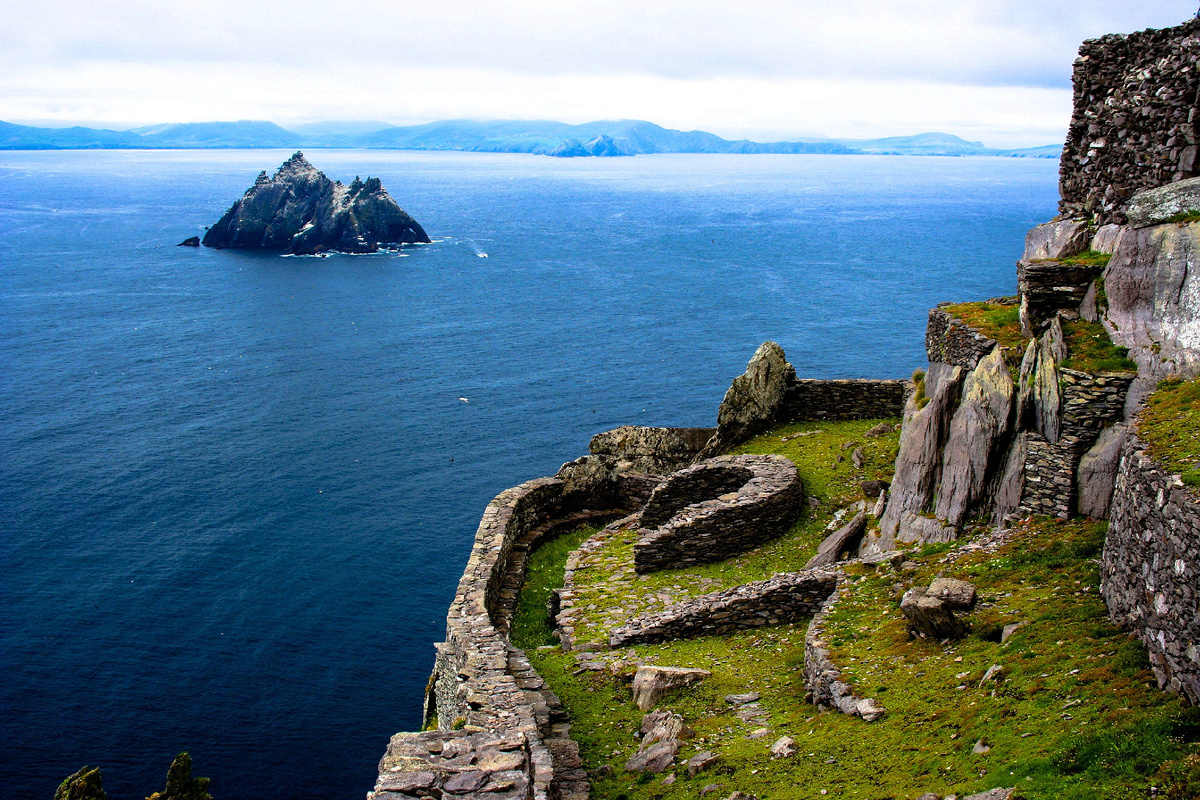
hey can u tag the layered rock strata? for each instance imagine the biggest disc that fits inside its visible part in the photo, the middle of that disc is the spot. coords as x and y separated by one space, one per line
302 212
715 509
1134 122
785 598
1150 568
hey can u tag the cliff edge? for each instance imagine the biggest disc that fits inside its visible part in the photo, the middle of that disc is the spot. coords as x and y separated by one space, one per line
303 212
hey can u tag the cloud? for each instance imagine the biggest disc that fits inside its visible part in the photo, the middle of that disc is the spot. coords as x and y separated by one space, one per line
833 67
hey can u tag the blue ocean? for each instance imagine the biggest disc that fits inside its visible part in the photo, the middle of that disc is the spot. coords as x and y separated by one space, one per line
238 488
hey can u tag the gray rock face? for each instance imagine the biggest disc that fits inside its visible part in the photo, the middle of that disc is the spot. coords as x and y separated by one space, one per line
1106 238
1056 240
658 451
1153 287
844 538
1155 206
754 399
1097 473
1047 397
918 464
653 683
930 616
1011 488
977 432
302 212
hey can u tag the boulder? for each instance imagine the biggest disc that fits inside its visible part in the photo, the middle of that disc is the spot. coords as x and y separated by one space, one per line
753 400
1011 628
662 736
922 529
588 482
301 211
869 709
845 538
918 464
1158 205
955 594
1097 472
1056 240
191 241
930 617
651 683
977 432
700 762
785 746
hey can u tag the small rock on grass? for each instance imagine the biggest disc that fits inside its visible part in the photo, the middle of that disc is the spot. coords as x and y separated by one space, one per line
700 762
709 789
1010 629
741 796
980 748
785 746
742 699
759 733
992 794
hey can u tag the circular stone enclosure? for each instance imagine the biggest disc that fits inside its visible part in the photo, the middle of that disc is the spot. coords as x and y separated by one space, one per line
716 509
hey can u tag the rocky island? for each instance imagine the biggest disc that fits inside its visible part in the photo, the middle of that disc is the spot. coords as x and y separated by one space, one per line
302 212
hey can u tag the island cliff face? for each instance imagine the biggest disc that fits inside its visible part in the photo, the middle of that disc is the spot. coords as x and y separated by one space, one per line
301 211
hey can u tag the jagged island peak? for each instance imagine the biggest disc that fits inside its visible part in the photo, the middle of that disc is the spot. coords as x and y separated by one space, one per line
300 211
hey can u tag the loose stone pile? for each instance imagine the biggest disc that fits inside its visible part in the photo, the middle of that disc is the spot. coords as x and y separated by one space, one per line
1134 121
716 509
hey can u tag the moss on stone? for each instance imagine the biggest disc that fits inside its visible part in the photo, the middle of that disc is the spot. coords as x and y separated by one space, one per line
1170 426
1089 258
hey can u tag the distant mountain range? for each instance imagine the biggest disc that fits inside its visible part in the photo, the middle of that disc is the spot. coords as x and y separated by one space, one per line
605 138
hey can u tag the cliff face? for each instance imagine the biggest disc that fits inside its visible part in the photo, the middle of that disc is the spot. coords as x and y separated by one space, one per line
303 212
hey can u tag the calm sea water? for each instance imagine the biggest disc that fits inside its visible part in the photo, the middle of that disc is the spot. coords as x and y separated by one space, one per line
238 489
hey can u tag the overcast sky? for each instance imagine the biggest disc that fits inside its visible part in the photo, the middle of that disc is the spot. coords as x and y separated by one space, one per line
995 71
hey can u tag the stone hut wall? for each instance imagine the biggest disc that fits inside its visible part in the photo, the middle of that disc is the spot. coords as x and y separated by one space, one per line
810 399
1134 124
1150 569
706 528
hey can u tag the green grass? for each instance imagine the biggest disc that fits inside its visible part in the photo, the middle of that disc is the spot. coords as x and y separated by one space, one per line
1089 258
1076 715
1170 426
531 625
993 320
1089 349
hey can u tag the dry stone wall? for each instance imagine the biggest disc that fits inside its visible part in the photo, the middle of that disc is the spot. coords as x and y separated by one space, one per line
1134 120
685 524
949 340
785 598
1150 569
810 399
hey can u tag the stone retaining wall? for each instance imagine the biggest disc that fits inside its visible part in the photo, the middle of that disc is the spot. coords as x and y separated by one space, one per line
1150 569
703 528
1047 286
1089 402
784 598
822 679
810 399
949 340
489 704
1134 121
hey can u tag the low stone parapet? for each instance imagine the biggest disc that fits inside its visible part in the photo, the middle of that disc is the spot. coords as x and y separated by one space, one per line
476 765
1150 568
823 682
949 340
716 509
785 598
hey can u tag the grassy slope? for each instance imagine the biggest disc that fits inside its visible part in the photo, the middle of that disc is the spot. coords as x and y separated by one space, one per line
1170 426
1076 712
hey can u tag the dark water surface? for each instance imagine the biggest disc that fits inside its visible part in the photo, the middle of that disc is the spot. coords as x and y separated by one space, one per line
238 489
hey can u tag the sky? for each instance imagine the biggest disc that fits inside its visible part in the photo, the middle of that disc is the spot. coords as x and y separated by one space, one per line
770 70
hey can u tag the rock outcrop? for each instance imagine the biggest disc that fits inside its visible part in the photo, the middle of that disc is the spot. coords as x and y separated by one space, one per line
754 399
658 451
302 212
1164 204
662 736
